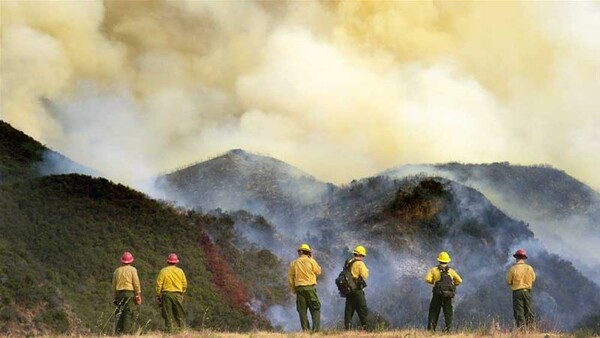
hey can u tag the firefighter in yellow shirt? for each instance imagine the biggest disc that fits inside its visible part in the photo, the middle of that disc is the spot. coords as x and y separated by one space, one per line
171 284
520 278
444 280
126 291
302 278
356 300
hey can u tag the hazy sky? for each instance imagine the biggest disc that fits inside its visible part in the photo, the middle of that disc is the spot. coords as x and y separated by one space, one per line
341 90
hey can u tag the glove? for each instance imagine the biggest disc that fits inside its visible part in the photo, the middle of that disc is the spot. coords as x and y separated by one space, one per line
158 300
116 302
138 299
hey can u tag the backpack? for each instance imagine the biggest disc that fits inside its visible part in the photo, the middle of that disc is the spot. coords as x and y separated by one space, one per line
445 286
344 281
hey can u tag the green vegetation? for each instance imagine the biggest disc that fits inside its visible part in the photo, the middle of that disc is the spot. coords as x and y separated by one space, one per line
19 154
261 272
63 236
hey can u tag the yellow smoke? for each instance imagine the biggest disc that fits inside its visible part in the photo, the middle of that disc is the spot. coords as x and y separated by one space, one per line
340 89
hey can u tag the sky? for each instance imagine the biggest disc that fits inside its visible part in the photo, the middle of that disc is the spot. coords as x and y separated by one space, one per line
339 89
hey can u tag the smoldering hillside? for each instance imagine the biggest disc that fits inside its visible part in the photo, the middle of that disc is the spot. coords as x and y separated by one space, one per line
404 223
563 212
239 180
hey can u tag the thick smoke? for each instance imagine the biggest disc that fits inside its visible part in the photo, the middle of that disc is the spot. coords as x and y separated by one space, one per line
341 90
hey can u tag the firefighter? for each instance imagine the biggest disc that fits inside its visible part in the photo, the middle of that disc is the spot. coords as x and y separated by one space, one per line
126 291
171 284
355 300
520 278
444 280
302 278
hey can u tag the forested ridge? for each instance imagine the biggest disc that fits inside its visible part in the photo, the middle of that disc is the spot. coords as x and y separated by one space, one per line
63 235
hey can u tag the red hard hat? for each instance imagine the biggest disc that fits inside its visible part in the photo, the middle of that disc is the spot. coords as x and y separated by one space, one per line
172 258
127 257
520 254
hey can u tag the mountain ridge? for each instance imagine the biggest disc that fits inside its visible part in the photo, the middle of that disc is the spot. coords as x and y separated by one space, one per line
239 180
63 235
562 211
411 217
22 157
403 222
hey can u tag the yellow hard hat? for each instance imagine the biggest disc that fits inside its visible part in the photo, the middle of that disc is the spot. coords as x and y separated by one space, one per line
360 250
443 257
304 247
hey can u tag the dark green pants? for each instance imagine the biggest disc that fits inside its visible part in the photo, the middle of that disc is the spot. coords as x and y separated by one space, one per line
522 309
125 312
307 299
172 311
438 303
356 301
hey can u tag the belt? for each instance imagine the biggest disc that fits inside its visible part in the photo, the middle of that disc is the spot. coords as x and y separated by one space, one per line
305 287
177 292
528 290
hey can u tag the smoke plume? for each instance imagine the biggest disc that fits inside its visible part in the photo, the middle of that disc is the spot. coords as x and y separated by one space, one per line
338 89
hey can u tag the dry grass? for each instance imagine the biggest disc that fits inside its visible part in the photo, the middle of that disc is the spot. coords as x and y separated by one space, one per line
353 334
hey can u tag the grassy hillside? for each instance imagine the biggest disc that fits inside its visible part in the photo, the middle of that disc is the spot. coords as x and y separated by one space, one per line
62 239
408 333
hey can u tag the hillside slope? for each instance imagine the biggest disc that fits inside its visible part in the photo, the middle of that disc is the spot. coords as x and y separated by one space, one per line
563 212
240 180
22 157
545 192
405 223
62 236
70 232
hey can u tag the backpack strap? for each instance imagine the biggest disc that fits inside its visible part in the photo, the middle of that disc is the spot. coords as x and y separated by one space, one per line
444 269
359 282
348 264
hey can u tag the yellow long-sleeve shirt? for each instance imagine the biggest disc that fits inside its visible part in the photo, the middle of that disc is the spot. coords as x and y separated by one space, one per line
171 279
125 278
302 272
435 275
359 269
520 276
